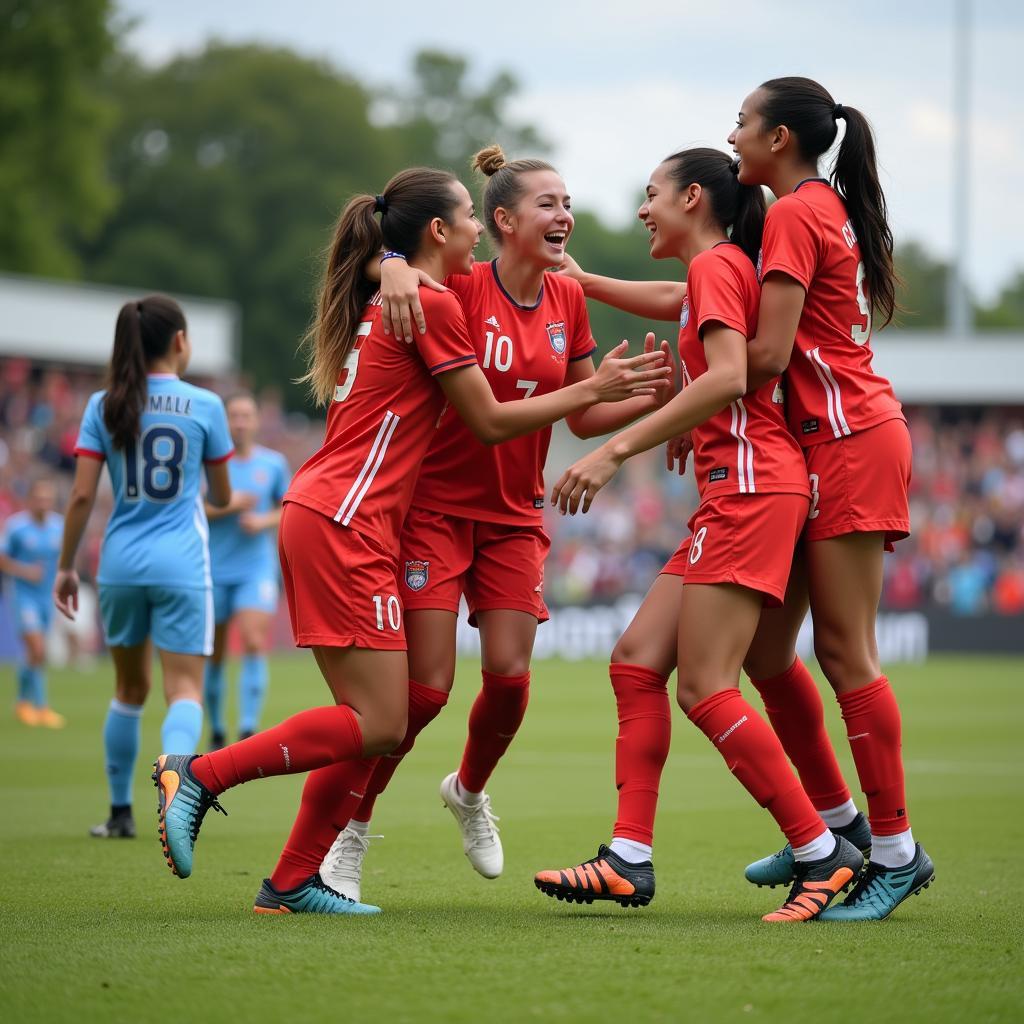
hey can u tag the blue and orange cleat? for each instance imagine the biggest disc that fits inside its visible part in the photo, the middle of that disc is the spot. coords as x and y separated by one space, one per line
605 877
881 890
183 804
818 883
313 896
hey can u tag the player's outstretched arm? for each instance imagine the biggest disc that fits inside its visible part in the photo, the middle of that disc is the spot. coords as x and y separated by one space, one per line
724 382
768 354
617 379
653 300
80 503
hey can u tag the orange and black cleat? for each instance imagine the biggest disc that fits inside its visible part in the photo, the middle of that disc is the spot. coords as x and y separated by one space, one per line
819 882
606 877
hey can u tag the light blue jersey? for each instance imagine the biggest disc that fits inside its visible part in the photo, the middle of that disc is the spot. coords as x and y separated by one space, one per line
26 540
238 556
157 534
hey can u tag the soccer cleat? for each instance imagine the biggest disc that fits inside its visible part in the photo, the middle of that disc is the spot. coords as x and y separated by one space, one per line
480 840
120 826
881 890
183 803
778 869
606 877
49 719
819 882
313 896
342 866
217 740
245 734
26 713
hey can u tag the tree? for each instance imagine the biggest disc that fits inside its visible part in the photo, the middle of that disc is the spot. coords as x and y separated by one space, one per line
923 293
1007 312
53 129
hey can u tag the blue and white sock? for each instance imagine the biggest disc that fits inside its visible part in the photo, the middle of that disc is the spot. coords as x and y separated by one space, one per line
121 747
213 695
252 691
182 727
38 696
24 683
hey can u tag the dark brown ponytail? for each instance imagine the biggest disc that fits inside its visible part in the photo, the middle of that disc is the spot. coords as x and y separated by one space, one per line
144 332
810 113
735 206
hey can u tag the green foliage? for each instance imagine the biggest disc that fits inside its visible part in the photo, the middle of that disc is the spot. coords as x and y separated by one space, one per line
1007 312
923 294
53 128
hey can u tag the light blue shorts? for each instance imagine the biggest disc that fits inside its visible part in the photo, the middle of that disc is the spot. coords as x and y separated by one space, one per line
32 613
179 619
259 594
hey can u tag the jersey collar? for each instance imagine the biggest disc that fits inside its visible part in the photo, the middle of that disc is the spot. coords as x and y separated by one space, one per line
528 309
808 181
162 376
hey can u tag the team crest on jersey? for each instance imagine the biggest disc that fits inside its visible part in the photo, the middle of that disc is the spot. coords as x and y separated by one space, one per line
416 575
684 312
556 335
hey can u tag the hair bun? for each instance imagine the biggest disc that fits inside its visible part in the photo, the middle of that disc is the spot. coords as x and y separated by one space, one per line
489 160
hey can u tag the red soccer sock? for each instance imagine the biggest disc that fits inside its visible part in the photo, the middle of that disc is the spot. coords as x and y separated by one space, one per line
641 748
311 739
755 756
329 797
425 704
872 719
793 705
496 716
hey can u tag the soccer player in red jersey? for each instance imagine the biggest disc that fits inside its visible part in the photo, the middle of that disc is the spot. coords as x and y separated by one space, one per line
476 522
703 610
344 511
826 270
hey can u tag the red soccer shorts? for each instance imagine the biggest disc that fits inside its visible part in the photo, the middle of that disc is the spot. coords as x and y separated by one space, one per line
859 484
494 565
746 539
342 590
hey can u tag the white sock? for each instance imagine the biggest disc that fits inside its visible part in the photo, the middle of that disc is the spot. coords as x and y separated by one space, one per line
630 851
817 849
359 827
893 851
838 817
464 794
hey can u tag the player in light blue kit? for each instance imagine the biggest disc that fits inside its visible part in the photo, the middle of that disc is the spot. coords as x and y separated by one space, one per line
245 568
28 553
155 433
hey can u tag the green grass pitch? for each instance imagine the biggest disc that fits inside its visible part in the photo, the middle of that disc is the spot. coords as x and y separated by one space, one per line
100 930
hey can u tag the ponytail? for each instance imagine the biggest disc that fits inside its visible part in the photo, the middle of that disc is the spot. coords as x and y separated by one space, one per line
144 331
411 200
809 112
505 185
732 204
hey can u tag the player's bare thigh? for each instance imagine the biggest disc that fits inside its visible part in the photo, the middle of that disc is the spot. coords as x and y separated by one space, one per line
430 635
132 679
773 649
506 640
652 637
35 648
253 626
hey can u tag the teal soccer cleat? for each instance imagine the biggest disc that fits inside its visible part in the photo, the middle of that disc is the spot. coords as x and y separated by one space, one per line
183 804
780 868
313 896
881 890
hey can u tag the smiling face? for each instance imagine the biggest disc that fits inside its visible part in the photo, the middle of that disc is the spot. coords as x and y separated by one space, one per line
664 214
538 227
752 142
462 234
243 421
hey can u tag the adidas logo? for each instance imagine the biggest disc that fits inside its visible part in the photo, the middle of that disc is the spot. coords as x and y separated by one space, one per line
493 322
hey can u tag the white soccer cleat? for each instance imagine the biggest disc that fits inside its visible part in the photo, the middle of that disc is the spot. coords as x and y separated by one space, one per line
479 832
342 866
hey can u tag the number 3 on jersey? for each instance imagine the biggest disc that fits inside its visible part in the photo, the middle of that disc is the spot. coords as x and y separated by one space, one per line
861 332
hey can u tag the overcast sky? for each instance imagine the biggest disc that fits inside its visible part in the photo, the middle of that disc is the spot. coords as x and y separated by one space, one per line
616 85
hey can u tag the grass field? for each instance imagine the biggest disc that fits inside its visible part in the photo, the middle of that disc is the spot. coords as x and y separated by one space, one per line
100 930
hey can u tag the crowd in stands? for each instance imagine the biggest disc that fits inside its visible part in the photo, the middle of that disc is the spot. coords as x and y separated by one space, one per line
966 552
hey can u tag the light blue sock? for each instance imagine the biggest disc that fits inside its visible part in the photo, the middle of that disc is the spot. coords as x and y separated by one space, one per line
38 697
213 695
252 686
183 725
24 683
121 747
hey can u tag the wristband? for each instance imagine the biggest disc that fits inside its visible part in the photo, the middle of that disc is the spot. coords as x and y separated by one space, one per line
389 255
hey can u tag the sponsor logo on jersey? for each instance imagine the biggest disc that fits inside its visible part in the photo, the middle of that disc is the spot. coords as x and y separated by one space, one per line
416 574
556 335
493 321
721 473
684 312
538 502
779 393
809 426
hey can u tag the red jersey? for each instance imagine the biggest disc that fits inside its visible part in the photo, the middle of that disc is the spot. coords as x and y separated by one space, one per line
832 391
383 416
746 448
523 351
